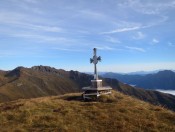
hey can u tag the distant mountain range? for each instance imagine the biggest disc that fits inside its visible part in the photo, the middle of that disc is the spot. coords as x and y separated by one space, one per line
41 81
160 80
129 73
142 72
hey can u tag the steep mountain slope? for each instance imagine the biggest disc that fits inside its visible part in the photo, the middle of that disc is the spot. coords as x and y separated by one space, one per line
68 113
161 80
28 83
2 79
44 81
154 97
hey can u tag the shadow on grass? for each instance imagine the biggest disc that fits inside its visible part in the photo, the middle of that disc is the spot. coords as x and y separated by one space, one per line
73 98
102 98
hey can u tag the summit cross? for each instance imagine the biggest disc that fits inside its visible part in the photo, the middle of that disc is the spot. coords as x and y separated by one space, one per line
96 89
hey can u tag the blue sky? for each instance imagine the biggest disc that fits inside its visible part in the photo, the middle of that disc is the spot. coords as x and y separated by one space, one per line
130 35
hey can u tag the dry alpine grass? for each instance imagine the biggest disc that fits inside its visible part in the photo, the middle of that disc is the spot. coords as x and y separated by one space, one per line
68 113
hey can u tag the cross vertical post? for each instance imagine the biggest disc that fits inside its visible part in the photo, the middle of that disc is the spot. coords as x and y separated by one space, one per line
95 65
95 60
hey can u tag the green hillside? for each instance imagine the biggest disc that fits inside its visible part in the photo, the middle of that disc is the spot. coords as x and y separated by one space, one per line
118 112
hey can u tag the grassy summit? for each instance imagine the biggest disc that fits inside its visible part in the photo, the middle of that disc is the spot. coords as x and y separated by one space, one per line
68 113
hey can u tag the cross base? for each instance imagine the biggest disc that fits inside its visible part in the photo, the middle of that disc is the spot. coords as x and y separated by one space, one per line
96 83
95 90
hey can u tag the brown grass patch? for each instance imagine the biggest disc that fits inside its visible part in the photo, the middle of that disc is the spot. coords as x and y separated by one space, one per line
117 112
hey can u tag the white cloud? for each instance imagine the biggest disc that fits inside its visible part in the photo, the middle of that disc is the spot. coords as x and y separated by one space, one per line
31 6
22 26
148 7
41 38
121 30
105 48
135 48
125 26
69 49
24 22
171 44
139 35
112 39
27 1
92 14
42 27
155 41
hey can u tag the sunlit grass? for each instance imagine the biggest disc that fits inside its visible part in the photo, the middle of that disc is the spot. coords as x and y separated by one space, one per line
117 112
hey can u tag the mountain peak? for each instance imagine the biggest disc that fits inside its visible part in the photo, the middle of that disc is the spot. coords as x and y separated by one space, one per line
44 68
165 72
15 72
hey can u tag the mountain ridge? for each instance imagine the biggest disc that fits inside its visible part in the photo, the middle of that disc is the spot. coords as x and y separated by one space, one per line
46 81
161 80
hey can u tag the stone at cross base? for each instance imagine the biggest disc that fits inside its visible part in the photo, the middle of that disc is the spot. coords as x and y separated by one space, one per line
96 89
